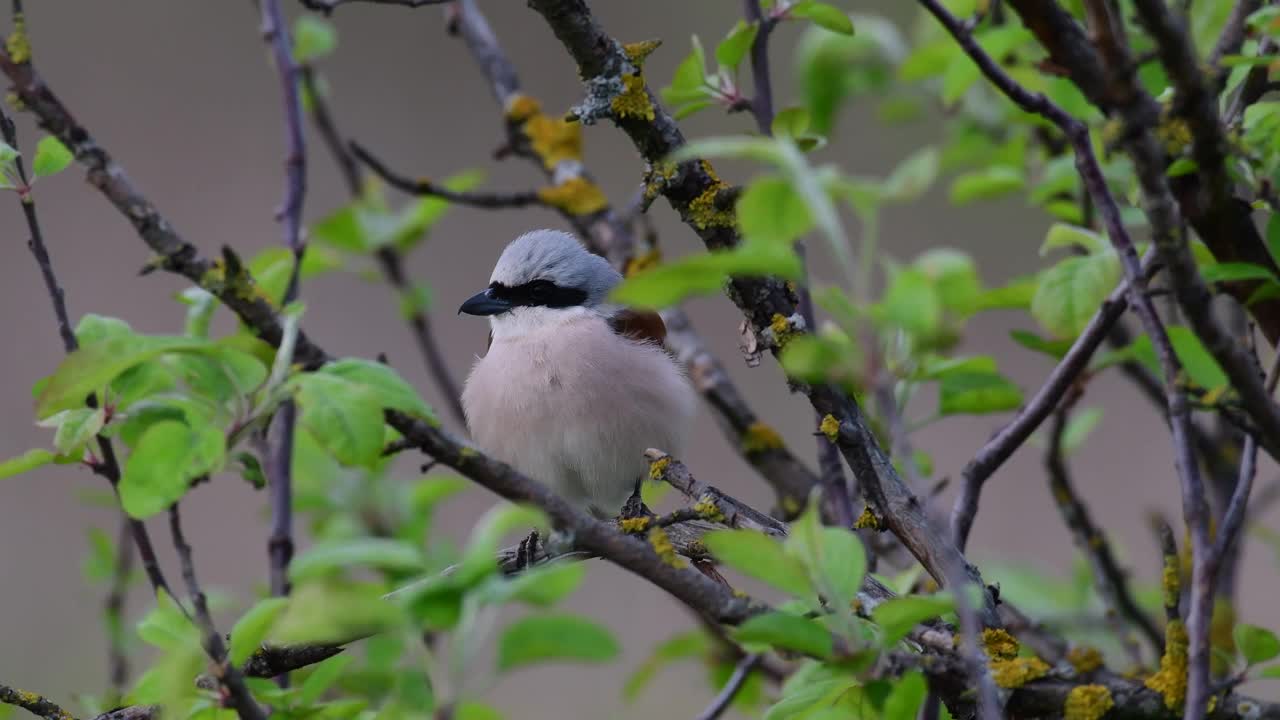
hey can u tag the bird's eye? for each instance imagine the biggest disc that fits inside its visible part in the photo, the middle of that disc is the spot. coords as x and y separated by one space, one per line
540 290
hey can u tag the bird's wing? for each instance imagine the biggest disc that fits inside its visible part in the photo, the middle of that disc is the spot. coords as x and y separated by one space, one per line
488 343
641 325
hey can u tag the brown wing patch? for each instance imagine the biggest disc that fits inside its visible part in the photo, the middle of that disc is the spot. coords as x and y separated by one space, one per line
641 325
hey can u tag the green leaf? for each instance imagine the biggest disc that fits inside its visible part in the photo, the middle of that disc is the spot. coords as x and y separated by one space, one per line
322 676
168 456
897 616
955 279
1182 166
790 122
1032 341
1079 427
1196 360
541 586
833 556
689 82
904 700
771 211
334 612
384 384
91 367
1070 292
746 147
381 553
8 154
734 47
785 631
913 176
759 556
912 303
705 273
1256 644
29 460
52 157
1232 271
1015 295
567 638
1273 236
253 627
986 184
94 328
313 38
977 394
689 644
472 710
100 564
1062 235
345 418
824 15
75 428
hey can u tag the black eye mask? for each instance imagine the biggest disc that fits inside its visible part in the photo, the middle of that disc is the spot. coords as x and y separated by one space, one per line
538 293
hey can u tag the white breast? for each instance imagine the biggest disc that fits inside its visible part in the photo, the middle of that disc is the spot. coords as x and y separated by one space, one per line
575 406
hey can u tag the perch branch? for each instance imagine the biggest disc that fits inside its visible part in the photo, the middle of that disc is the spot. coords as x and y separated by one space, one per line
724 699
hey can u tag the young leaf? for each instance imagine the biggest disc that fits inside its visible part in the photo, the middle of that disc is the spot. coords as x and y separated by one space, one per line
384 384
1079 427
93 366
734 47
824 15
791 122
1273 236
690 644
1196 360
313 38
541 586
785 631
1231 271
1070 292
569 638
904 700
912 303
977 394
345 418
29 460
897 616
705 273
759 556
771 211
322 676
76 428
1257 644
1062 235
169 455
913 176
253 627
381 553
986 184
52 157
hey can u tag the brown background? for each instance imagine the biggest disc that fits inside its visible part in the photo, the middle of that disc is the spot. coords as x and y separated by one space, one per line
182 94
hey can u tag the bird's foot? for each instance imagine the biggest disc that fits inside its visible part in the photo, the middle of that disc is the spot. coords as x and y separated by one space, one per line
527 552
634 507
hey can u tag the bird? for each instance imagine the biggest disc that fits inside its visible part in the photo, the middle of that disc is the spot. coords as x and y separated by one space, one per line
572 389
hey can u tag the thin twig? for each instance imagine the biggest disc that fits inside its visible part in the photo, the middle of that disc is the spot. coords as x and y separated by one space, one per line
1110 579
722 701
33 703
328 6
117 657
426 187
762 85
279 467
228 676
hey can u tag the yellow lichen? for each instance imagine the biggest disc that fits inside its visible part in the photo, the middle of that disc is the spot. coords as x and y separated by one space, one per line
553 140
1174 134
705 210
1087 702
643 261
707 509
634 525
633 101
521 108
661 544
999 644
657 177
760 437
12 100
637 52
781 328
1084 659
830 427
1171 679
18 44
575 196
867 520
1170 581
1018 671
658 468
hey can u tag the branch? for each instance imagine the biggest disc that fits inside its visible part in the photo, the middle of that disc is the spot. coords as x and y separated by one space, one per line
279 466
762 85
426 187
228 677
1112 581
602 62
117 655
33 703
390 259
328 6
1002 445
741 672
605 233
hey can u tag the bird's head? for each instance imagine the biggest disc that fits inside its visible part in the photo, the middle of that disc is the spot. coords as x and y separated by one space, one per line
543 277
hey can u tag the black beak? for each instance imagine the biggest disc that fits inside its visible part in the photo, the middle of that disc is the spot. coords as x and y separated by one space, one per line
484 303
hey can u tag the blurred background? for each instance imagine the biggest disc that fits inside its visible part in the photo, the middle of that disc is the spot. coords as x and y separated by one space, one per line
183 95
